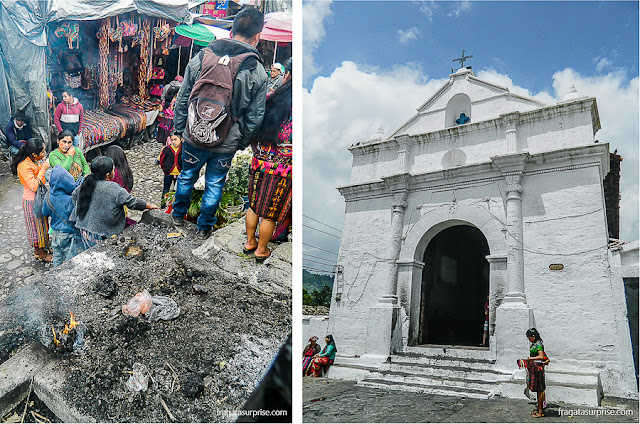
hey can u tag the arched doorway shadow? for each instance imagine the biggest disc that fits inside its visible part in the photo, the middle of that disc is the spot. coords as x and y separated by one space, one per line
455 288
411 261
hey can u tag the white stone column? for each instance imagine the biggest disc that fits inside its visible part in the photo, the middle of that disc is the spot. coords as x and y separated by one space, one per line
513 316
384 330
512 167
403 153
511 132
515 254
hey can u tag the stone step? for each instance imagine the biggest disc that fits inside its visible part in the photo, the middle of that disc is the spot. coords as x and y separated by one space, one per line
349 371
425 388
432 380
446 371
576 394
468 352
416 358
561 376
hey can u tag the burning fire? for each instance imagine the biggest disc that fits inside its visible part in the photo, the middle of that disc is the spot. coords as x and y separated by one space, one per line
72 324
68 327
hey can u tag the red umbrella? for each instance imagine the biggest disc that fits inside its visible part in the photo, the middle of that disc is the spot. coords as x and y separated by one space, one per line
277 27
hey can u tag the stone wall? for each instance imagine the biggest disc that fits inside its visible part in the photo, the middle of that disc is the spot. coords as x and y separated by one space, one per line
315 325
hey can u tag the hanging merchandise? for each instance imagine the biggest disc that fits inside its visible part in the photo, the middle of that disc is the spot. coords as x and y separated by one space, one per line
71 32
128 28
161 32
115 34
72 80
121 69
156 90
158 73
137 37
144 58
103 64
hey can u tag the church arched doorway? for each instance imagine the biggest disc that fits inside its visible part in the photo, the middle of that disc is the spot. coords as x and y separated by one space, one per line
455 286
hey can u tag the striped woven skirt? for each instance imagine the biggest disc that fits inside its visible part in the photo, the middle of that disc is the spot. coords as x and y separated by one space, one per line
270 183
90 239
37 228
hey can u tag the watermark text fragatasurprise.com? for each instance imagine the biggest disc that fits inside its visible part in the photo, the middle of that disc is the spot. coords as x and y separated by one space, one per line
253 413
594 412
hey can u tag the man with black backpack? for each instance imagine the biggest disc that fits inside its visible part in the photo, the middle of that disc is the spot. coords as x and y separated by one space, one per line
219 107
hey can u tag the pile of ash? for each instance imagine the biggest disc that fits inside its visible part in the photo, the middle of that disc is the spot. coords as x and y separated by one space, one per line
197 366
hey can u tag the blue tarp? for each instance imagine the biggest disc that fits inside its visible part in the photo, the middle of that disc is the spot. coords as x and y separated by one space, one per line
23 42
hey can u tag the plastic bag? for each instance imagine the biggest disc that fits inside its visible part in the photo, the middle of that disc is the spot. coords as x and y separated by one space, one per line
164 308
139 381
139 304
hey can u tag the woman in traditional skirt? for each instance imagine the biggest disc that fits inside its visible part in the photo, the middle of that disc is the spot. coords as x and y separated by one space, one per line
310 350
28 164
166 121
270 182
324 359
535 364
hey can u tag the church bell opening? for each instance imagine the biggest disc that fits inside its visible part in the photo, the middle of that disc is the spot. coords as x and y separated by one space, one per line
455 286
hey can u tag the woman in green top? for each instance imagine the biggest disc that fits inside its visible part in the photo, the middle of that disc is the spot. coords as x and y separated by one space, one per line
535 370
324 359
69 157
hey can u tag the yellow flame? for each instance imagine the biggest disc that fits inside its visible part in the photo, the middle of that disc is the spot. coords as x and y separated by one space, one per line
55 340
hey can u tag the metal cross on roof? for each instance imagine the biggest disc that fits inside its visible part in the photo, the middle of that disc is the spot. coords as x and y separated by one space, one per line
461 59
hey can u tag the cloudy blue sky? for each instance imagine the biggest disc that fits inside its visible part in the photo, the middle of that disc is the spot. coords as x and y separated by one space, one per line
371 64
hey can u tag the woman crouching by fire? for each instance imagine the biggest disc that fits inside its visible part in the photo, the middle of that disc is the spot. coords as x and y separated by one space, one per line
99 203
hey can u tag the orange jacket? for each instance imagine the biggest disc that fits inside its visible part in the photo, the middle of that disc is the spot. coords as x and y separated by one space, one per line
29 173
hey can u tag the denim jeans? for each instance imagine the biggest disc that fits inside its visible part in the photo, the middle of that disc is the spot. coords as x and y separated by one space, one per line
193 159
76 141
65 246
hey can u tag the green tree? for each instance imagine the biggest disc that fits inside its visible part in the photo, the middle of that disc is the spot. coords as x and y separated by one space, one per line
322 297
306 298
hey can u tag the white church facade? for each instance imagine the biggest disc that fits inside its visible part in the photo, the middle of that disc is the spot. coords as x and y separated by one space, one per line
483 193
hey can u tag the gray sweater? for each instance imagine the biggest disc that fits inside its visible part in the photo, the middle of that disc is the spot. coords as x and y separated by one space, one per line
105 216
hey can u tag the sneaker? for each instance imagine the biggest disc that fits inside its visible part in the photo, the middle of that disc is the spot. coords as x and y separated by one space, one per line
178 222
203 234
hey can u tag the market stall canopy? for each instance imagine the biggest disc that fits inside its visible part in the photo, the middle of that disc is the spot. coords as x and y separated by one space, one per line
31 16
201 35
277 27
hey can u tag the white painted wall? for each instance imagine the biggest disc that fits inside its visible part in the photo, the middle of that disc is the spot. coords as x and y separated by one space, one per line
314 325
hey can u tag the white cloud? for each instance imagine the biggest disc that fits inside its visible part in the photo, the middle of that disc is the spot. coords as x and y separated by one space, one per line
601 63
410 34
314 14
349 105
341 109
428 7
460 7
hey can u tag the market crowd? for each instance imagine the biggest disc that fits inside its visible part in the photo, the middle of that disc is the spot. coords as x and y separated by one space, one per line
88 202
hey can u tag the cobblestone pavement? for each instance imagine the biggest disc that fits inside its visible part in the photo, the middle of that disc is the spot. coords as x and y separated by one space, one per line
330 400
16 256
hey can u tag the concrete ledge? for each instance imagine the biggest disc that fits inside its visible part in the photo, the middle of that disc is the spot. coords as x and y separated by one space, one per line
16 374
48 385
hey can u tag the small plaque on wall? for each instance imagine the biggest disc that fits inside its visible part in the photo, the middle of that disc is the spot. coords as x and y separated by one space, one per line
556 267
